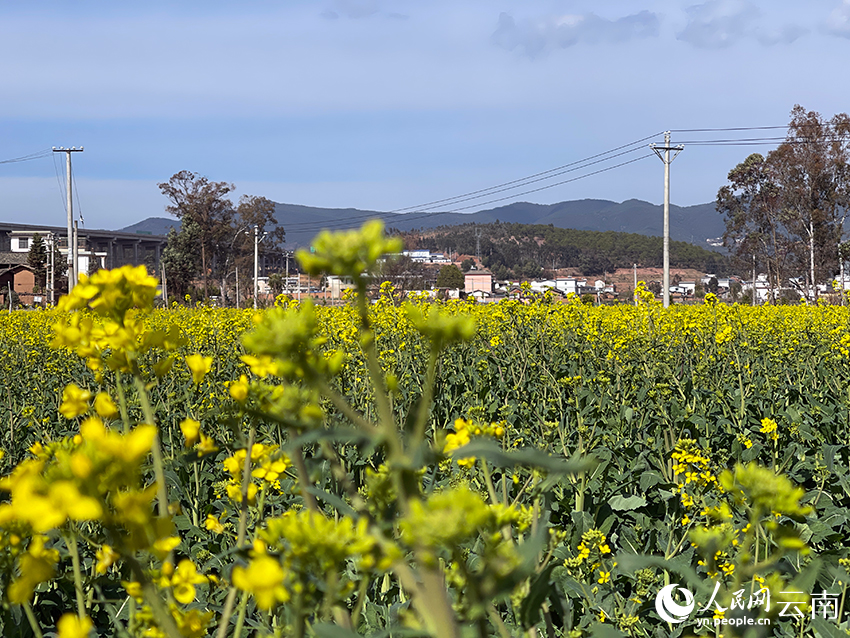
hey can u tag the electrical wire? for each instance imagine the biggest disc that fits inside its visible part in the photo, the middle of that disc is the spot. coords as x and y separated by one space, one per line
28 158
350 222
534 176
61 185
77 193
498 188
421 211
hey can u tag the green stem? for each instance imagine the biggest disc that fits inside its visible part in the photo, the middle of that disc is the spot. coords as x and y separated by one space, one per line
497 621
491 490
427 398
240 618
342 404
246 479
361 600
304 479
196 510
379 386
161 615
156 451
33 622
71 542
122 403
227 612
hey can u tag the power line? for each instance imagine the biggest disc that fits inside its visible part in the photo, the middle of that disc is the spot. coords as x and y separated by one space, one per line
350 222
28 158
744 128
498 188
487 192
61 186
530 177
77 193
421 211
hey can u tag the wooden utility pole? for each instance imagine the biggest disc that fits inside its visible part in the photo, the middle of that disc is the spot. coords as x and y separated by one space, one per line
51 238
667 161
72 266
75 256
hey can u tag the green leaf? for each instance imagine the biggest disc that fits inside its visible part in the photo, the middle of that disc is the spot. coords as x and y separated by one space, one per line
528 457
626 503
601 630
826 629
332 499
529 609
649 478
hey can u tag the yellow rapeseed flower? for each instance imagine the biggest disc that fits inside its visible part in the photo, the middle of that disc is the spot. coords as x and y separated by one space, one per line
183 581
105 406
263 578
106 556
75 401
200 366
191 430
207 445
71 626
769 427
213 524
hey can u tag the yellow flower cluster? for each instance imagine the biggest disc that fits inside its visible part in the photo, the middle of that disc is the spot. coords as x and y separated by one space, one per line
693 463
464 431
114 333
593 546
267 464
769 427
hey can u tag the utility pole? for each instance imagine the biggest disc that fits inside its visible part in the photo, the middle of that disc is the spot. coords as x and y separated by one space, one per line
754 279
76 256
257 240
72 266
256 263
635 288
165 285
50 239
667 161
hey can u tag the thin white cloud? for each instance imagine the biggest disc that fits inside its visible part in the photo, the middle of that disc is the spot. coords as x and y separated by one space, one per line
718 24
359 9
560 32
838 22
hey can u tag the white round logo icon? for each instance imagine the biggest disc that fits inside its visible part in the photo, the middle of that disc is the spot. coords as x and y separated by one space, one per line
669 609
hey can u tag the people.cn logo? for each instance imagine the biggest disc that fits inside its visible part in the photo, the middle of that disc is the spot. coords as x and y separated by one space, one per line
669 609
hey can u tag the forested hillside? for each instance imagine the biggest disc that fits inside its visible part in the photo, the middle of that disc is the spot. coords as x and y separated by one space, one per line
525 250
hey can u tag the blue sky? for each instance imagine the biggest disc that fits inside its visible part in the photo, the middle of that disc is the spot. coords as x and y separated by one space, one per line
386 104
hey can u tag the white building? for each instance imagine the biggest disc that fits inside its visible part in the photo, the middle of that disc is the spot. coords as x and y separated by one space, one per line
87 260
570 285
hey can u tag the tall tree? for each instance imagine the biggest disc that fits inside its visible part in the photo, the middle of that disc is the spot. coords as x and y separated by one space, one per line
252 211
787 210
193 197
402 272
450 276
808 168
180 258
755 219
37 260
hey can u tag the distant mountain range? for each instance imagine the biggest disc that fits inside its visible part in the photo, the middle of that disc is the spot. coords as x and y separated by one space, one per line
692 224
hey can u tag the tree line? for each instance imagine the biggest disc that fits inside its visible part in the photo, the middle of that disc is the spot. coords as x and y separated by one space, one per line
525 250
216 236
785 212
